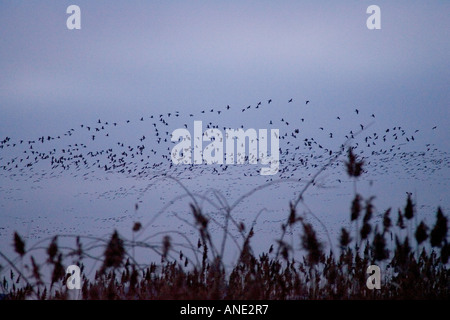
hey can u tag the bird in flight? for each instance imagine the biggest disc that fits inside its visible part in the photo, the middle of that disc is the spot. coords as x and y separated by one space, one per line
290 100
307 101
357 111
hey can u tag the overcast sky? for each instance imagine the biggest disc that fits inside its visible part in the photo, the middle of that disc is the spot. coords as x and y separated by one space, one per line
142 57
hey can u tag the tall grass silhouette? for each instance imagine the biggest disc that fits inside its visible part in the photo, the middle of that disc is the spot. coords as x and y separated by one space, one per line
191 270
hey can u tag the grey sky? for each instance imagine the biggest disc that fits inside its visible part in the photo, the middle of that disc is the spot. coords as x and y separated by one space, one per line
145 56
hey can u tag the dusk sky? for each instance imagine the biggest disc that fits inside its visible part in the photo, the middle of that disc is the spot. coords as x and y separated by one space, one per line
139 58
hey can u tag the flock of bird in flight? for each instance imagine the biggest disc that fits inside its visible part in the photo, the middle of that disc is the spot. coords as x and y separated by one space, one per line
149 154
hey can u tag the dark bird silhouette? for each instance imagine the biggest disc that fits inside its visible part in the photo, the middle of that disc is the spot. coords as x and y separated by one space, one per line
357 111
290 100
307 101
